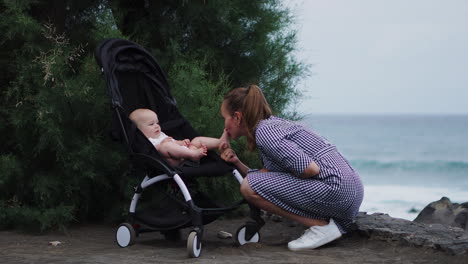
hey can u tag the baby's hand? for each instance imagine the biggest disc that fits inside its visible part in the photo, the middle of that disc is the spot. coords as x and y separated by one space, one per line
187 142
205 149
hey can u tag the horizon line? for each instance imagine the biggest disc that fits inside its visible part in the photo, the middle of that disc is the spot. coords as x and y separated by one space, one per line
382 114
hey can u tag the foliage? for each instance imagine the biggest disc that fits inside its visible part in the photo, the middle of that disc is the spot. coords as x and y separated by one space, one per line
241 41
192 88
57 163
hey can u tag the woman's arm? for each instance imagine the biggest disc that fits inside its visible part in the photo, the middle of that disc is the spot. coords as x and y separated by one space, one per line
242 168
230 156
274 143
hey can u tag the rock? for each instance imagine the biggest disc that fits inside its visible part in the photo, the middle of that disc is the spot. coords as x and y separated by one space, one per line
461 220
54 243
276 218
378 226
290 223
224 234
445 212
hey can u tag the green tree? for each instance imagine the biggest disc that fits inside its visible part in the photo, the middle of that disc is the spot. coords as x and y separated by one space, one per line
57 163
245 41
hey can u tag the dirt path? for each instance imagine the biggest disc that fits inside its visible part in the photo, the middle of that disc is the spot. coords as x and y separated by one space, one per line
95 244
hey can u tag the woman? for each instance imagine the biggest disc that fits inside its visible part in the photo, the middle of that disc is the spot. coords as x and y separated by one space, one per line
304 177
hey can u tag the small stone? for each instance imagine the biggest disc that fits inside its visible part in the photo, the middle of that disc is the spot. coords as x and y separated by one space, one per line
224 234
54 243
276 218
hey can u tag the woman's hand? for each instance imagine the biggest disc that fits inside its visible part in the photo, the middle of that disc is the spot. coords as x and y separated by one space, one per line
311 170
223 146
230 156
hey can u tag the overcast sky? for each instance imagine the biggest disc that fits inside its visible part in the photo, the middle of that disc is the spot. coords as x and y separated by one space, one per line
383 56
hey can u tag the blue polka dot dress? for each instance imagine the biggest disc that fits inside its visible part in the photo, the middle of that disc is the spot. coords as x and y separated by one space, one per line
286 149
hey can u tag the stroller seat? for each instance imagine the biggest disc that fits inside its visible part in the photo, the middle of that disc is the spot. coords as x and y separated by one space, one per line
135 80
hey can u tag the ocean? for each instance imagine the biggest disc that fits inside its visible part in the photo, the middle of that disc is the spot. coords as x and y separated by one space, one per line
405 161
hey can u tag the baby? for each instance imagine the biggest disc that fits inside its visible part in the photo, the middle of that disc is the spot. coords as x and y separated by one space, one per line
174 151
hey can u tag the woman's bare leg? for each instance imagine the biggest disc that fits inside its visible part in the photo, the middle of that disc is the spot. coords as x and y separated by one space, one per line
260 202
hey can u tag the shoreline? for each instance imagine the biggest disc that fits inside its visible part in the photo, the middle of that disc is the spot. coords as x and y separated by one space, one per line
338 114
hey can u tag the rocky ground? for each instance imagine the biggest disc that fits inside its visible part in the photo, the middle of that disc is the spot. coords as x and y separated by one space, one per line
377 238
382 227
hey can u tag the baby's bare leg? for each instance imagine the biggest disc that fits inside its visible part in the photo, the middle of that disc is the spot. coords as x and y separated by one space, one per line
172 150
210 143
173 162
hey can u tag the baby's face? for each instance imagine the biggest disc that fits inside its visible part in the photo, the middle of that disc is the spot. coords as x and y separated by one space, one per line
150 125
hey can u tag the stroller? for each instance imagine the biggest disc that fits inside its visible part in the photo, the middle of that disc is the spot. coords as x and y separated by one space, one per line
135 80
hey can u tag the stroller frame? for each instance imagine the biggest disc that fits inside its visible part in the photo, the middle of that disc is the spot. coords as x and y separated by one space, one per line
119 59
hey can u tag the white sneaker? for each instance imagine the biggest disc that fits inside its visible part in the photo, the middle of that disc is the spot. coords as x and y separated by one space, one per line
316 236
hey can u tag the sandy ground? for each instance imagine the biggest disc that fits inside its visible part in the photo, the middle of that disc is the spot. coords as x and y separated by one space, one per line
95 244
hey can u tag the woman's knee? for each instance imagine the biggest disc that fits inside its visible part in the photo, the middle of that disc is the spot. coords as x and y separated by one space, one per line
245 189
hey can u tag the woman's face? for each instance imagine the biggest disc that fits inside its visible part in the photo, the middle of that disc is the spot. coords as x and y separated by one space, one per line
232 123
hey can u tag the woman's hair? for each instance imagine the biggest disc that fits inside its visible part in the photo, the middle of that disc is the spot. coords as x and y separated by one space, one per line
251 102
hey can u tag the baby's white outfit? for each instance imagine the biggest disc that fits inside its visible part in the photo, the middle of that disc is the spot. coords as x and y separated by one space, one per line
158 140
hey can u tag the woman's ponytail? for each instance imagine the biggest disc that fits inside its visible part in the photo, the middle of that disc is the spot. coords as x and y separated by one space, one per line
253 105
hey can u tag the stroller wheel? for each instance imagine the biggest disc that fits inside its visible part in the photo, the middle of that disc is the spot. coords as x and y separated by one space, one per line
192 242
241 236
125 235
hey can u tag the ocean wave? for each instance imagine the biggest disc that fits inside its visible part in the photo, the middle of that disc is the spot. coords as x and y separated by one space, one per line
404 201
435 165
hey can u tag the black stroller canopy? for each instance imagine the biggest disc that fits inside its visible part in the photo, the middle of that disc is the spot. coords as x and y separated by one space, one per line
135 80
117 55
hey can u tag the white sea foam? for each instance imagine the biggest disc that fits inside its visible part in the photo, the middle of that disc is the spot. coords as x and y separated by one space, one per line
397 200
405 162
